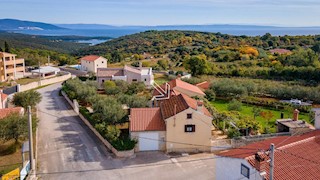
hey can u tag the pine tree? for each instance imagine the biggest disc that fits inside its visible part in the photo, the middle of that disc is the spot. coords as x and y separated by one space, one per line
6 47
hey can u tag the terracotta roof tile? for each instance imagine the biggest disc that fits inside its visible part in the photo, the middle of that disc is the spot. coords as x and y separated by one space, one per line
180 84
146 119
7 111
296 157
203 85
90 58
108 72
179 103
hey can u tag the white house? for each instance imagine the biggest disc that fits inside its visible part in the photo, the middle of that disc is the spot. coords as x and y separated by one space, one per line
295 157
46 71
128 73
92 62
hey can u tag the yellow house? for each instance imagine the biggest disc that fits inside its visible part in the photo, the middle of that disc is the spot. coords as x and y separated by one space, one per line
188 124
180 124
10 67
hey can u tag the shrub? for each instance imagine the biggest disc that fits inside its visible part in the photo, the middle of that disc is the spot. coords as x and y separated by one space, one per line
210 95
235 105
124 144
112 133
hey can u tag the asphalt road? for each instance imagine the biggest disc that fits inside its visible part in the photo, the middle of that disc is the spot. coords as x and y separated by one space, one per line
68 150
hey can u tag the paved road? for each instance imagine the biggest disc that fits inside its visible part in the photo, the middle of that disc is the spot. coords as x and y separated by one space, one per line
67 150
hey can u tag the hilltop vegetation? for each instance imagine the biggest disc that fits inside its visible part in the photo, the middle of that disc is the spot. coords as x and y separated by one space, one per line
220 54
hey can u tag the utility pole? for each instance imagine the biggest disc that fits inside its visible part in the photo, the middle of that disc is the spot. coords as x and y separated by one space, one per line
39 74
32 165
271 161
48 60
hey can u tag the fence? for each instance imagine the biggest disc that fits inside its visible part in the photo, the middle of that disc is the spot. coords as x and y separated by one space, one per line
75 106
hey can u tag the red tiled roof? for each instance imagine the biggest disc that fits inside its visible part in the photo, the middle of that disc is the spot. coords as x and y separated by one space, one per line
146 119
3 96
179 103
180 84
296 157
280 51
203 85
90 58
108 72
7 111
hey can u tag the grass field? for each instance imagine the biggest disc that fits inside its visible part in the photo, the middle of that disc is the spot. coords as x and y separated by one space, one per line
222 105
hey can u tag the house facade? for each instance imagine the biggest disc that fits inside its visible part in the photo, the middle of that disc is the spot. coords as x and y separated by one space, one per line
11 67
188 124
128 73
92 62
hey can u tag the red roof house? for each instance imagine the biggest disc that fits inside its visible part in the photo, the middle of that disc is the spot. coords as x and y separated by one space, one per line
295 157
7 111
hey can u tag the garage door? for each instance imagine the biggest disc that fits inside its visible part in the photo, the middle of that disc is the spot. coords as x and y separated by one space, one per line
149 141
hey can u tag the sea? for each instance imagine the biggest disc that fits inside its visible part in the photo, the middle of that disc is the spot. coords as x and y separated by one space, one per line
122 31
234 30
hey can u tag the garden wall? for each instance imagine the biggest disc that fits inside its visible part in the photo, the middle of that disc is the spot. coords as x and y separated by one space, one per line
120 154
43 82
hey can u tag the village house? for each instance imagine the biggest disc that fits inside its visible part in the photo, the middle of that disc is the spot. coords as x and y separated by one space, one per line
176 87
295 157
294 125
11 67
91 63
179 124
127 73
7 111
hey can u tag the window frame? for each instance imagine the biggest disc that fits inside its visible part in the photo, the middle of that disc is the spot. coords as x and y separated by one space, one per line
243 169
189 115
187 126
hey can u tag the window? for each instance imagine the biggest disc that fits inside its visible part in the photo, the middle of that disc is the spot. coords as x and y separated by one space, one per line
134 80
245 171
102 61
189 116
102 80
189 128
145 79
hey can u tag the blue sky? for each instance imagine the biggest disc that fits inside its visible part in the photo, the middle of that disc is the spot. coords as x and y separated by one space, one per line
166 12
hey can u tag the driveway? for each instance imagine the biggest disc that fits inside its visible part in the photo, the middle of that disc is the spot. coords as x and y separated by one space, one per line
68 150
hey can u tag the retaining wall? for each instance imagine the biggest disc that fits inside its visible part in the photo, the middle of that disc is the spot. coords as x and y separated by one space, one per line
120 154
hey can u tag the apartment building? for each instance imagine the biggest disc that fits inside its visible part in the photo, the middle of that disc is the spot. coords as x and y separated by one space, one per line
10 67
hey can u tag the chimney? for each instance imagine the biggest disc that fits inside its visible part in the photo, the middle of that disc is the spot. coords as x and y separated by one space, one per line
200 106
296 115
260 162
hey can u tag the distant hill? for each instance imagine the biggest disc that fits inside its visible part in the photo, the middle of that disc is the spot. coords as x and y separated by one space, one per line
61 44
14 24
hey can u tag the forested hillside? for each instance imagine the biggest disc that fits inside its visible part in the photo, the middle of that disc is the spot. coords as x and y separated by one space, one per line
221 54
37 48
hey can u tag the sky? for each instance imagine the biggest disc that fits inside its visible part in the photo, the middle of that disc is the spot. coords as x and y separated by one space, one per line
295 13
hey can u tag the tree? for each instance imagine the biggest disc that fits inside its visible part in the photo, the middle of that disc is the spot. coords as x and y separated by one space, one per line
163 63
110 110
1 49
235 105
197 65
15 126
6 47
256 112
210 95
111 88
27 98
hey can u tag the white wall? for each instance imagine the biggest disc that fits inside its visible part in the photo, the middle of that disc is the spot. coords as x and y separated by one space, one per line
162 134
230 169
100 63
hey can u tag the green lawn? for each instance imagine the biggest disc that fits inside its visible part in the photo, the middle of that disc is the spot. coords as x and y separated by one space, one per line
222 105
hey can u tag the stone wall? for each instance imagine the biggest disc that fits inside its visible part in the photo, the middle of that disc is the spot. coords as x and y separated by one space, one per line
120 154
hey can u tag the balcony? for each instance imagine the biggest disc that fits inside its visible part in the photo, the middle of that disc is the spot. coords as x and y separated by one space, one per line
11 69
18 61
